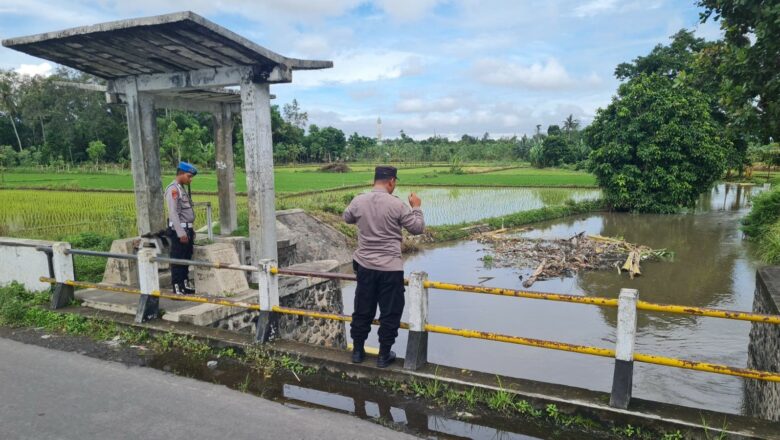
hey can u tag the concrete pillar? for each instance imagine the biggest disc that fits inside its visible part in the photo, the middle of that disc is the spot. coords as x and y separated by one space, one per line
62 263
268 286
258 154
145 159
226 182
623 378
417 343
149 282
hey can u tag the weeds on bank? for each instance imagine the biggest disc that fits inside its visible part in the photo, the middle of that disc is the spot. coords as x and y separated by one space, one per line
504 401
20 308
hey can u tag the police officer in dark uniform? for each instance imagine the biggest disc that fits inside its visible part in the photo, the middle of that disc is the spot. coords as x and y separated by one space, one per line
181 216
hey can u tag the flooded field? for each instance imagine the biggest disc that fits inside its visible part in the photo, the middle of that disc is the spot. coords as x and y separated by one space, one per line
454 205
712 267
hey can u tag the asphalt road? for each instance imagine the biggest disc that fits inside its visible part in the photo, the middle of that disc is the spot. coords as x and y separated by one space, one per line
51 394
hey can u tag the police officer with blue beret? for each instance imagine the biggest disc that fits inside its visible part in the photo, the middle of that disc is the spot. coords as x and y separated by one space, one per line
181 217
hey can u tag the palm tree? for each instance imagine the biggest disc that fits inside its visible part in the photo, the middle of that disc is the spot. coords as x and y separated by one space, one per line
569 125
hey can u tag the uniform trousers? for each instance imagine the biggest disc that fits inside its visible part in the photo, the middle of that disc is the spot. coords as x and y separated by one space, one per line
377 288
182 251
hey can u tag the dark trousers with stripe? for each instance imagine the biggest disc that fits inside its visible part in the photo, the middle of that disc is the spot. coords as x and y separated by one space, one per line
179 250
377 288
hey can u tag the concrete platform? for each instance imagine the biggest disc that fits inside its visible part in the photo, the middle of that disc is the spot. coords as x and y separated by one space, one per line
175 311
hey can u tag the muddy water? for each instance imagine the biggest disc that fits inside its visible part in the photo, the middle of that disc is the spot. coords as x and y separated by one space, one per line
712 267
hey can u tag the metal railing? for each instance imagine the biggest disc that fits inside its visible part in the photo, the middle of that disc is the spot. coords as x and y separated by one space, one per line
209 218
418 326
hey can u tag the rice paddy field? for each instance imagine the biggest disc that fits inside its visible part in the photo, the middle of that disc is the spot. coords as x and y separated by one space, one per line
309 178
53 214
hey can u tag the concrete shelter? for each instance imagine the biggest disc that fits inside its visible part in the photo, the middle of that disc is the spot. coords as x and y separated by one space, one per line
184 61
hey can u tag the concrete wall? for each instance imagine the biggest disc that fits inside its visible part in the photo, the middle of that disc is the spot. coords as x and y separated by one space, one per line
762 399
23 264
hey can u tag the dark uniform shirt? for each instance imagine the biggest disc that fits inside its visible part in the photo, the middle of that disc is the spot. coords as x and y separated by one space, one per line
179 207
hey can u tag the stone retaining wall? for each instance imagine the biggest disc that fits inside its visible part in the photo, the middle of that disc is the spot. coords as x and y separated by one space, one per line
316 294
762 399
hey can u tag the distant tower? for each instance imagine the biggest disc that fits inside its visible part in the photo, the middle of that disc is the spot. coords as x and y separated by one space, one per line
379 131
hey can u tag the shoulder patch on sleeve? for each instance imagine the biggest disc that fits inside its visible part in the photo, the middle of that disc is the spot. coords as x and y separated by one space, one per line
175 193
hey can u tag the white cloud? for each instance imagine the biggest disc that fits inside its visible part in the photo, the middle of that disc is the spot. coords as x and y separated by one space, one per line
422 105
268 11
594 7
312 45
545 75
407 10
42 69
355 67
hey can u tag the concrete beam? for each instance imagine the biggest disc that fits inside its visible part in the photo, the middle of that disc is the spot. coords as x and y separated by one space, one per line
145 159
258 154
204 78
194 105
226 182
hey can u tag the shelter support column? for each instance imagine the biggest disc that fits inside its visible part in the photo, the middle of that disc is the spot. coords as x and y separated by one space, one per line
145 159
258 154
226 182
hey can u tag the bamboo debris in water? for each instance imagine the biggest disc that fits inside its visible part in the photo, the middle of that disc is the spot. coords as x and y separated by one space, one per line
566 257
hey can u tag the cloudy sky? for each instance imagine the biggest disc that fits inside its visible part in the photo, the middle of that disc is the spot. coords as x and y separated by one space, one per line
443 67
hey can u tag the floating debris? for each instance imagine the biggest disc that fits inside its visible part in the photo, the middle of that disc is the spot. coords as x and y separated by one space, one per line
566 257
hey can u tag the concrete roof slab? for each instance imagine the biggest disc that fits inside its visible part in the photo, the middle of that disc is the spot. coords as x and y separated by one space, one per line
178 42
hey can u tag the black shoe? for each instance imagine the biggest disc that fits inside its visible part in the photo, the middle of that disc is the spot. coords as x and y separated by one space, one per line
358 356
179 289
383 361
189 288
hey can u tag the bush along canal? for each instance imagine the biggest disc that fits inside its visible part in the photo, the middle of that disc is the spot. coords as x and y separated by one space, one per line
436 402
712 266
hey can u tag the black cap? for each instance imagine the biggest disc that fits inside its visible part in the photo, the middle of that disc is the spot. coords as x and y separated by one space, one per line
385 172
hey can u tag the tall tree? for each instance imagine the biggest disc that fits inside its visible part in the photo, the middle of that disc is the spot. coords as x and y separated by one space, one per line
656 146
667 60
9 99
751 61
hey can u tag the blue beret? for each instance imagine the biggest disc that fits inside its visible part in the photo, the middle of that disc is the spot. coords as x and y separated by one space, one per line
187 168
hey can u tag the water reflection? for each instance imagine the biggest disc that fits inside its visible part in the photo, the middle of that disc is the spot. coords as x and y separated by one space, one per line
411 414
713 267
457 205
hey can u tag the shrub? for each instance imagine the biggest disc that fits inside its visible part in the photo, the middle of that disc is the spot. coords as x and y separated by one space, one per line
764 214
336 167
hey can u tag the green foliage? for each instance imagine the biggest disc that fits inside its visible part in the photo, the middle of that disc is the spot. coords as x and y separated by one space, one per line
96 151
668 61
656 147
750 88
90 268
764 213
501 400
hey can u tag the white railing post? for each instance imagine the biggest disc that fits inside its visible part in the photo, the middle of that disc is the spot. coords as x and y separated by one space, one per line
622 380
417 342
268 290
149 282
63 271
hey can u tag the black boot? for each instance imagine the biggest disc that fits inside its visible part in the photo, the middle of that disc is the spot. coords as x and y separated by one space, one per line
386 356
358 352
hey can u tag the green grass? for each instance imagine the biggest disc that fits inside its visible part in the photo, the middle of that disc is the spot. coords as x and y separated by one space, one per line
308 178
